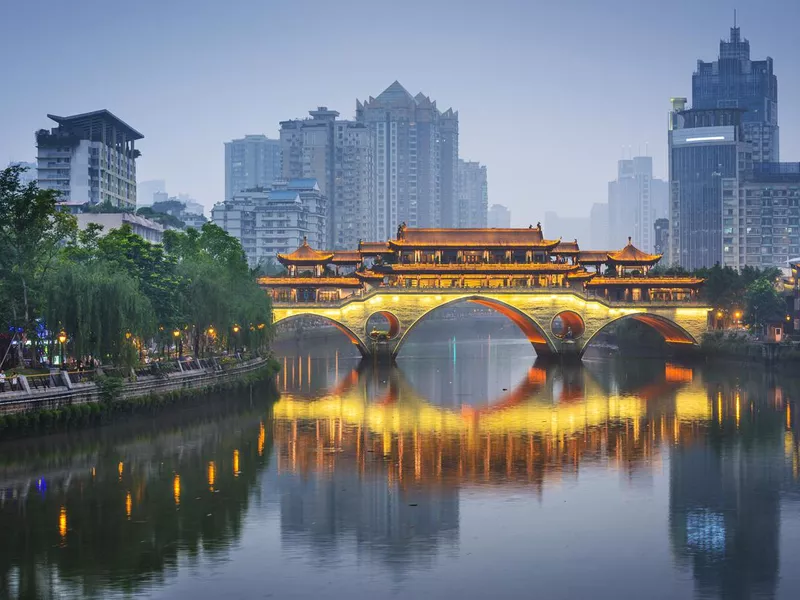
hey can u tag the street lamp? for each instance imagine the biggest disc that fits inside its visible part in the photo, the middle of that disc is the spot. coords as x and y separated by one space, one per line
236 329
62 337
127 335
178 342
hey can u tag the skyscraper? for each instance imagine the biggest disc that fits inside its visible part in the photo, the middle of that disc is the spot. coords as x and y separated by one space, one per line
598 227
339 155
416 155
630 203
735 81
499 216
251 162
473 194
89 158
707 154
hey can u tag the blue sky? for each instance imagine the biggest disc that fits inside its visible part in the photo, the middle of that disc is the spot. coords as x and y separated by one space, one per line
548 93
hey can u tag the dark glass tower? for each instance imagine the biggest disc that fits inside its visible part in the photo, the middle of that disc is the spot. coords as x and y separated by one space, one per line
735 81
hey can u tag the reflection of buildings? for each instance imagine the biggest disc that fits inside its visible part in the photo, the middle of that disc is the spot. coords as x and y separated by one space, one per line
725 492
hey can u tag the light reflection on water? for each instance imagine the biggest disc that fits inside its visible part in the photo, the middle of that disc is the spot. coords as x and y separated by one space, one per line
467 470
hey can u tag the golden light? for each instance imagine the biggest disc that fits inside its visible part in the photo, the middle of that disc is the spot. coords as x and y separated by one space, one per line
120 468
62 522
738 314
128 505
176 333
212 475
236 329
261 325
176 489
62 336
262 434
788 317
211 331
235 463
127 335
719 314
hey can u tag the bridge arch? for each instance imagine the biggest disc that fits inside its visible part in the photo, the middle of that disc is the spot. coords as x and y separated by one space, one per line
351 335
391 320
667 328
533 331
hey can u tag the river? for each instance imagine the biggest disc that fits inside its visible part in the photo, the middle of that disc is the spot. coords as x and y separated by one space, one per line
467 471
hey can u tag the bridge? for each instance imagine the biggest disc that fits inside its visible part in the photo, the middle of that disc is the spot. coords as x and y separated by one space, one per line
559 296
556 322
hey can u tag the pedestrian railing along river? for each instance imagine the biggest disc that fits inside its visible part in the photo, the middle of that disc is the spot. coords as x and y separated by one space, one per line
19 389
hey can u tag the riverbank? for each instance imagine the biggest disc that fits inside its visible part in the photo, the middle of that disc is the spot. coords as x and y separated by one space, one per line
725 346
87 402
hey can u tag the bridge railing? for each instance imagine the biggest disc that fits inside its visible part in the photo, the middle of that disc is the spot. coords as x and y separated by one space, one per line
405 291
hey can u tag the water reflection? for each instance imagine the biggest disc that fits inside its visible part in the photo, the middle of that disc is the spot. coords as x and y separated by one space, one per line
466 470
115 509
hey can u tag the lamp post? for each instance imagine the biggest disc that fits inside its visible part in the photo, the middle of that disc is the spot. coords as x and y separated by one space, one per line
62 338
178 342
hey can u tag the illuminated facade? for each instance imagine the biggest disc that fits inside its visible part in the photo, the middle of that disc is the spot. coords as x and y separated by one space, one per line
557 294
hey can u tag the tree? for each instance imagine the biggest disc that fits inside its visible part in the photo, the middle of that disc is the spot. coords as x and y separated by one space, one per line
31 232
764 304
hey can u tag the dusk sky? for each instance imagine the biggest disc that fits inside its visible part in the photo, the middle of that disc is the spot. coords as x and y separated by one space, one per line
548 93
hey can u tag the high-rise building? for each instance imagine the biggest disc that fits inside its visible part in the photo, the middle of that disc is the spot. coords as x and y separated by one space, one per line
146 191
269 221
339 155
566 228
598 227
89 158
253 161
29 174
499 217
473 194
416 155
768 232
631 210
707 154
735 81
659 198
661 236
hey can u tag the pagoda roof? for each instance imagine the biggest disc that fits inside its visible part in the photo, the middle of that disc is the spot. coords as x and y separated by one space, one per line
593 256
369 274
466 269
373 248
581 275
318 282
346 257
567 248
630 254
530 237
647 281
305 255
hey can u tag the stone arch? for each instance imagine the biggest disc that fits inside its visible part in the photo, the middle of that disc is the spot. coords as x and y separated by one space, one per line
533 331
392 320
667 328
351 335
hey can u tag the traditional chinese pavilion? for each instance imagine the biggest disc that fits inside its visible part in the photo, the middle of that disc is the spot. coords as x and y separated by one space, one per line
474 259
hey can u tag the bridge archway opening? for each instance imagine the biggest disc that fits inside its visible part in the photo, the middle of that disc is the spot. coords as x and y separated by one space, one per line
567 324
301 327
385 322
670 334
529 329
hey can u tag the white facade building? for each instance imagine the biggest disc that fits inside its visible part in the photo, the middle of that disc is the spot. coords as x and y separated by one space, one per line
251 162
150 230
338 154
89 158
473 194
267 222
27 176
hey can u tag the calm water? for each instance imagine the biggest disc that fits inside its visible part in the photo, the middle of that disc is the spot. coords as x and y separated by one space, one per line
466 472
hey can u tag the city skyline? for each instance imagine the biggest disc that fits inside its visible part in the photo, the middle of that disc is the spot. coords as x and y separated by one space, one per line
198 77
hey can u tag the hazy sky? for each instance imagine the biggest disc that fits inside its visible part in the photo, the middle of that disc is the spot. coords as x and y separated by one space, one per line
548 93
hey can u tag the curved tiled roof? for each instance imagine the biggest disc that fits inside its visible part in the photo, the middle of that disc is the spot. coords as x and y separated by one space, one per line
528 237
305 255
631 254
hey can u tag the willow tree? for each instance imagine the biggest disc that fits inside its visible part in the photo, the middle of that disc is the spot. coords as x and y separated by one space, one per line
102 310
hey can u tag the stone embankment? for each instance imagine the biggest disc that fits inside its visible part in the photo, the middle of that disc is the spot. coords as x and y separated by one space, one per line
61 388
